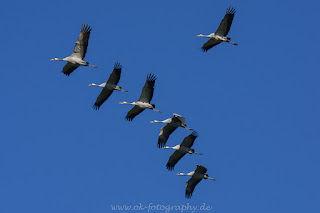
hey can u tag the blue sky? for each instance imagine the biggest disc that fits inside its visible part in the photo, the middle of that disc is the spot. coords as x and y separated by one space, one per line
255 106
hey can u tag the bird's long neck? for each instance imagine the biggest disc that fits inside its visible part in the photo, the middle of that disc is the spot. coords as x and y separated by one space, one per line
58 59
155 121
185 174
124 102
206 36
175 147
96 85
167 147
164 121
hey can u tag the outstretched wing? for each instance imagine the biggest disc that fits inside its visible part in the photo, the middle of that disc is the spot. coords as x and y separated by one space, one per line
225 24
174 158
209 44
188 141
115 75
80 48
147 91
191 184
200 169
69 68
165 132
179 118
136 110
104 95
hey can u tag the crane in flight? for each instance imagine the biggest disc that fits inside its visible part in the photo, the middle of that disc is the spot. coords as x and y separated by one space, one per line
172 124
109 86
181 150
144 100
79 52
196 176
221 33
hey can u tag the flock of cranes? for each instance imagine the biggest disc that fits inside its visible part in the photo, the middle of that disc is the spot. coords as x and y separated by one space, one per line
144 102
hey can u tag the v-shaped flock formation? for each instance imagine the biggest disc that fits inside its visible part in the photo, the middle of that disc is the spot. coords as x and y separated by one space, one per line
144 102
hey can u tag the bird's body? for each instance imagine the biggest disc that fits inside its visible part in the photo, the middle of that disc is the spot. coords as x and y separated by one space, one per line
109 86
141 104
196 177
181 150
76 60
172 124
79 52
144 100
221 33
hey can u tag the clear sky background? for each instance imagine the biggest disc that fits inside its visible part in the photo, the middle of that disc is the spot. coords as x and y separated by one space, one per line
255 106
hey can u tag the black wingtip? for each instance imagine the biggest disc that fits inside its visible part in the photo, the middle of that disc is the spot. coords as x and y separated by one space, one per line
170 167
231 10
151 77
117 66
67 74
86 28
203 49
161 143
128 119
96 107
188 195
195 134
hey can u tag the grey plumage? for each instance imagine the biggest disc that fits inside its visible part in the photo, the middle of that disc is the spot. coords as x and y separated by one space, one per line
187 143
145 97
110 84
194 180
80 49
79 52
147 91
165 132
222 30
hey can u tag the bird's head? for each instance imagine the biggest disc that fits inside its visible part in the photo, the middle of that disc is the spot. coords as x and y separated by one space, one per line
200 35
54 59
